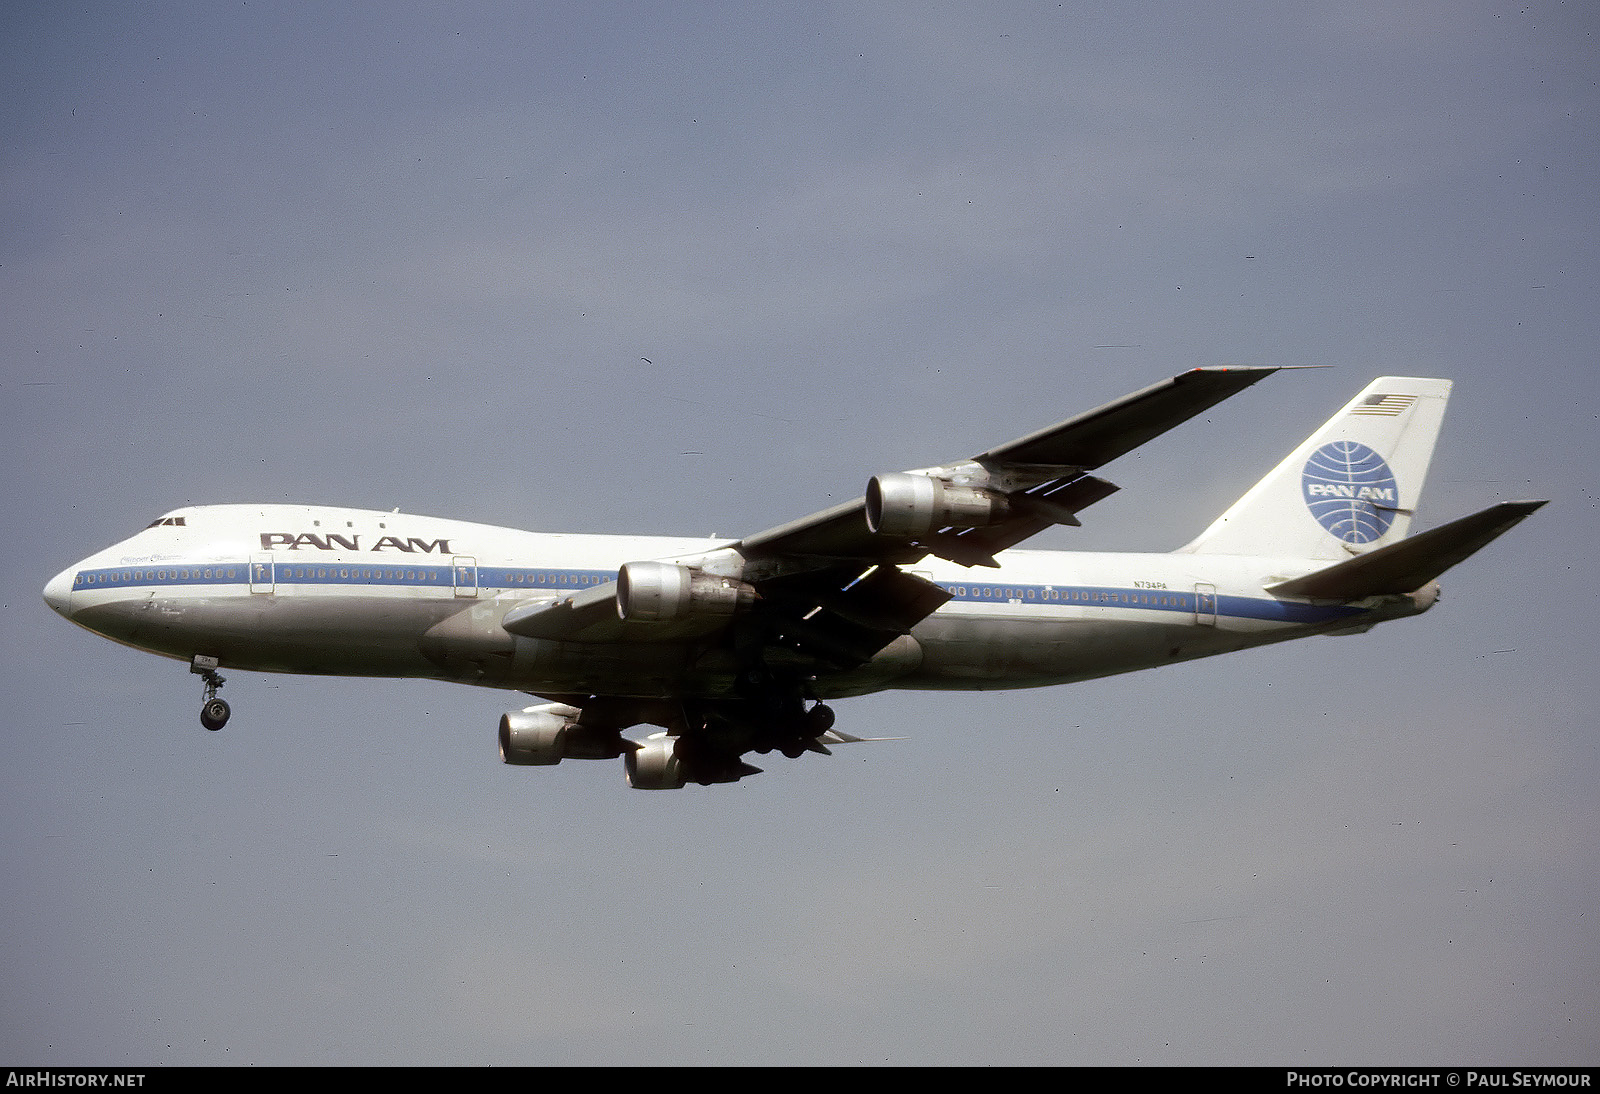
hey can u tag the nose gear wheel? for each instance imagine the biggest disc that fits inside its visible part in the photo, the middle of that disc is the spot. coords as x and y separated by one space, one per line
214 712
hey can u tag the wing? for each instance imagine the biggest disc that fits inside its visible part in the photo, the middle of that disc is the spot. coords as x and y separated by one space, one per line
829 588
831 584
1042 479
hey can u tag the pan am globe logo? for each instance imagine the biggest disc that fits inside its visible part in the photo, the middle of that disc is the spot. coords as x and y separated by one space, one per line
1350 491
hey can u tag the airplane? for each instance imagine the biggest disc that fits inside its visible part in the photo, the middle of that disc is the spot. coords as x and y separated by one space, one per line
732 647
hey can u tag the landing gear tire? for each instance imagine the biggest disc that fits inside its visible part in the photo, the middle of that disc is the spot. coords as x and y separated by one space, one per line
214 714
213 711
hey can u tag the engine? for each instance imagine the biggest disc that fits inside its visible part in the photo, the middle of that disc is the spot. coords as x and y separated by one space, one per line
655 765
662 762
544 735
660 592
903 504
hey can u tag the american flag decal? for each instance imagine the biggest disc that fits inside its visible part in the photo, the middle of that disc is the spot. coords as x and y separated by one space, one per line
1384 405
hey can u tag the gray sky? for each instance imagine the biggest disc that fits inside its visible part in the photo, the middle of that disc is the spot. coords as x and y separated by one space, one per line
389 255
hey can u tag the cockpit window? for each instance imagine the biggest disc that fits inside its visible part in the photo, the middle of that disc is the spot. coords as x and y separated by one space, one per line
172 522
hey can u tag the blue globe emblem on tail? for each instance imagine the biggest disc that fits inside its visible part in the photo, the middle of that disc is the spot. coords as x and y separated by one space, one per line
1350 491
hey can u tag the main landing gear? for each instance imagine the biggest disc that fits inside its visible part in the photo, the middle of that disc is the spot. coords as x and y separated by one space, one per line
213 711
777 714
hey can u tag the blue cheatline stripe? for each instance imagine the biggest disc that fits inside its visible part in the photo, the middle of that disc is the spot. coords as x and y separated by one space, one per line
161 575
548 580
1282 611
123 577
1154 600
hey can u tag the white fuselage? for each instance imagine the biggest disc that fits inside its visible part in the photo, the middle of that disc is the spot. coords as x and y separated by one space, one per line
322 590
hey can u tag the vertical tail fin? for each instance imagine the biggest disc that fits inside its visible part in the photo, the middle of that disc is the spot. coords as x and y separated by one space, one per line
1350 487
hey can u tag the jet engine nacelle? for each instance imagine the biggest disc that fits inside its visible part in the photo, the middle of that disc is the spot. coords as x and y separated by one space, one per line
655 765
660 592
537 736
903 504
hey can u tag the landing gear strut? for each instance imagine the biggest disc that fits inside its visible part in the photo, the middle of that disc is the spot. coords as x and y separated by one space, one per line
213 711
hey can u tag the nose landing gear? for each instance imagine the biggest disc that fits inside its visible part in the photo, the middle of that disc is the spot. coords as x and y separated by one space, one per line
213 711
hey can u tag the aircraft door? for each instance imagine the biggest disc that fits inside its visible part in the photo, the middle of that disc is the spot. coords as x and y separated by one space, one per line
1205 605
465 569
262 574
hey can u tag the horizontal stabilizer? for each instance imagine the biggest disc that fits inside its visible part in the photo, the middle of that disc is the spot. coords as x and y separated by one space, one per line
838 737
1411 563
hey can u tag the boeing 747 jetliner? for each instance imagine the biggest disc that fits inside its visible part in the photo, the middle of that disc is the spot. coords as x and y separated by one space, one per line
736 647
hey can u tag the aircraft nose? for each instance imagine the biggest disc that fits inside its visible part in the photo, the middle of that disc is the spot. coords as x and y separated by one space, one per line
58 594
